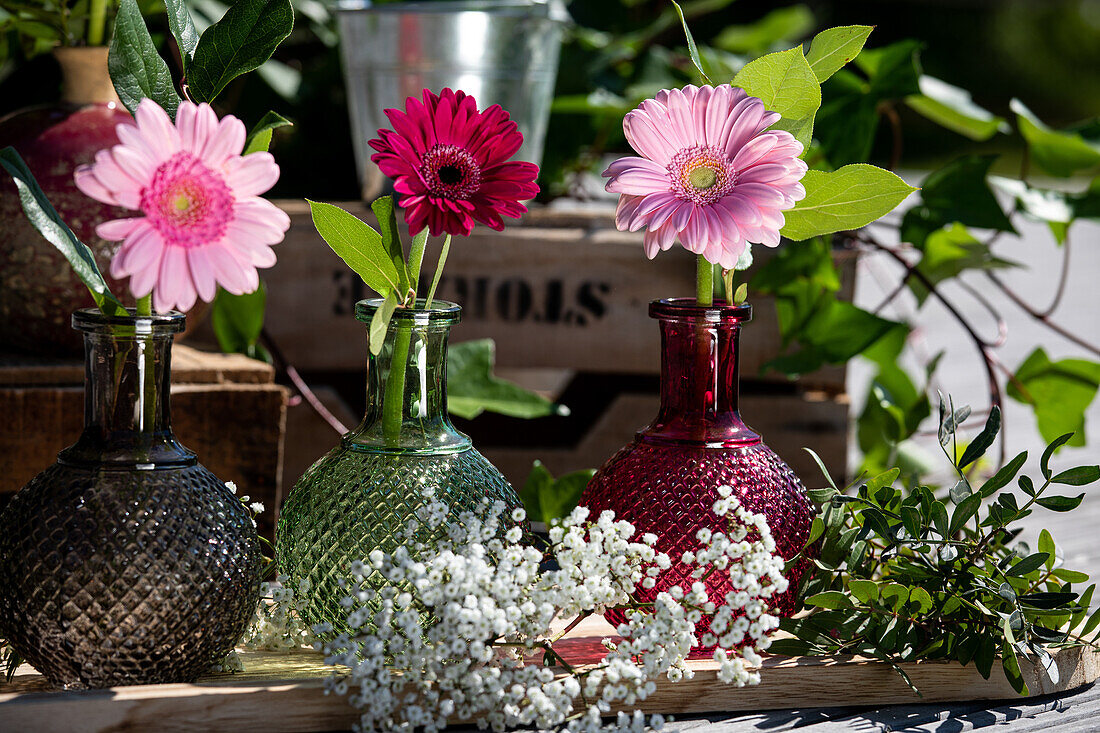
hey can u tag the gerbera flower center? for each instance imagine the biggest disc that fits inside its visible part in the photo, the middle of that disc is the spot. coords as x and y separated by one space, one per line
449 171
701 174
187 202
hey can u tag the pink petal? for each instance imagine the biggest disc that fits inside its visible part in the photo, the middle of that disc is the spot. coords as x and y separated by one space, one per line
636 176
227 141
202 273
625 213
86 180
753 151
156 128
252 174
117 230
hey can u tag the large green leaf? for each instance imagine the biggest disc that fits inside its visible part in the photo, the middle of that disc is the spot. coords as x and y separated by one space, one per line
241 41
786 84
49 224
894 70
238 321
1058 391
831 49
357 244
950 251
183 29
1058 153
848 119
847 198
952 107
137 71
958 192
472 388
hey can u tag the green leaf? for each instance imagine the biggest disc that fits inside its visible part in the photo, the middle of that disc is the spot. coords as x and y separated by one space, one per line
830 599
238 320
137 71
896 591
939 518
741 294
883 479
183 29
911 519
1060 503
985 655
380 323
1058 153
959 192
952 107
54 230
1077 476
865 591
384 209
693 51
786 84
981 443
1038 204
948 252
1059 393
1046 544
1011 668
964 511
561 497
922 598
782 25
960 490
416 256
894 70
241 41
1003 476
537 479
1026 565
821 465
472 388
847 198
259 139
1054 445
831 49
1071 576
357 244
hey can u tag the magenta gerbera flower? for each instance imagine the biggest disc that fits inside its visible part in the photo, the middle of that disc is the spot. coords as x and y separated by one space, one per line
710 174
204 223
451 163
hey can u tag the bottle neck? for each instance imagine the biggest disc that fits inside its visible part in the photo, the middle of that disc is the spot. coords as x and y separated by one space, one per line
699 383
406 409
127 416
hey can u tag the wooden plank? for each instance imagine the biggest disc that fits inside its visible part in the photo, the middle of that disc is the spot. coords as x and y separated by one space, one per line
565 289
283 692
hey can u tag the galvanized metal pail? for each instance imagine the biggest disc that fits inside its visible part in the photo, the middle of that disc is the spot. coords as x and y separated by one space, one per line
500 51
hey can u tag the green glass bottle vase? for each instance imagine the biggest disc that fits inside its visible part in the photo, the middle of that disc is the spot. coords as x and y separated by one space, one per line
362 494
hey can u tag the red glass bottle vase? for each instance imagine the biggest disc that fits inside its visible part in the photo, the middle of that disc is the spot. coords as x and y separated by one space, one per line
667 480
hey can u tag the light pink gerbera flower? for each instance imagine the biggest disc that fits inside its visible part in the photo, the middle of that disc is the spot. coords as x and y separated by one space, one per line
451 163
709 174
203 222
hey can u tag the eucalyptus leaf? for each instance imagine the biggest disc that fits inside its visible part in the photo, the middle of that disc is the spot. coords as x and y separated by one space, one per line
42 215
844 199
137 70
241 41
1026 565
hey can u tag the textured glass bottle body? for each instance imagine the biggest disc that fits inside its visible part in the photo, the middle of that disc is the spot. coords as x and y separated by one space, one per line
361 495
126 562
667 480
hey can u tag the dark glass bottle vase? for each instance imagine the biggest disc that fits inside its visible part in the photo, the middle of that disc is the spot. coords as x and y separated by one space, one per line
667 480
126 562
362 494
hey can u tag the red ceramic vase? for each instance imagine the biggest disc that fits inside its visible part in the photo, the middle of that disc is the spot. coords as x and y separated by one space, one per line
667 480
40 290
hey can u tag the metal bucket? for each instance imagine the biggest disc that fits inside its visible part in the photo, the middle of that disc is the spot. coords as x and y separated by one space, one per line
500 51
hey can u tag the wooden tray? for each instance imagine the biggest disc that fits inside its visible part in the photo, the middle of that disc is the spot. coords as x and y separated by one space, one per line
284 691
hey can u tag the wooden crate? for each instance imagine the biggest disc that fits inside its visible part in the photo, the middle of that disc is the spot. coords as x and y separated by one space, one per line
284 691
561 289
225 407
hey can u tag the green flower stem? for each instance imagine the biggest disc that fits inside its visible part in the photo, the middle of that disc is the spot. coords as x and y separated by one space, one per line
704 282
393 402
144 307
97 22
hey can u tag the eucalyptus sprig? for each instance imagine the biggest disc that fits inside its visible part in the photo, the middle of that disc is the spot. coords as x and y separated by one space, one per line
914 573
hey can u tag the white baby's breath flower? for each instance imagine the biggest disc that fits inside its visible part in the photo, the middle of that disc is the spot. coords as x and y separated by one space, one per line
257 506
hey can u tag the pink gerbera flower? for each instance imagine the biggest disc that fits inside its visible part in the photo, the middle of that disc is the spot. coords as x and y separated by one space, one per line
709 174
203 222
451 164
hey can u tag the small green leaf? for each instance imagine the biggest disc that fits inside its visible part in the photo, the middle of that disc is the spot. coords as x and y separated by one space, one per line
54 230
562 496
693 51
1058 153
817 528
238 320
1046 544
386 213
1077 476
416 256
241 41
741 294
960 491
259 139
830 599
1070 576
1049 452
896 591
137 71
985 655
939 518
821 465
865 591
380 323
537 479
1012 668
886 478
981 443
964 511
357 244
1060 503
1006 473
922 598
847 198
183 29
831 49
1026 565
911 519
472 388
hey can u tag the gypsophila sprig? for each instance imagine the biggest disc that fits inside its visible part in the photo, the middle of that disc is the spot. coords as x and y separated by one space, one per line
277 624
460 628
